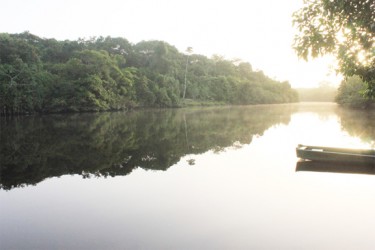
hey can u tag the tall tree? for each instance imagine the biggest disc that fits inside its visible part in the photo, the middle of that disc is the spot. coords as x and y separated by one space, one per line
189 50
344 28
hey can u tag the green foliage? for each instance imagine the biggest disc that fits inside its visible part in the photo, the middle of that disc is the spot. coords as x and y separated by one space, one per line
48 76
345 28
350 93
21 76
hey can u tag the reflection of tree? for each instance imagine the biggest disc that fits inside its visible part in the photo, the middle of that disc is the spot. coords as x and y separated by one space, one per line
110 144
359 123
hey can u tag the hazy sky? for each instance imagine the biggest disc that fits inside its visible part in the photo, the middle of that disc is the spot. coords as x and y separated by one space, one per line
256 31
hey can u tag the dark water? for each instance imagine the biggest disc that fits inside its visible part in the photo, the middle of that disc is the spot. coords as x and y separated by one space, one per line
211 178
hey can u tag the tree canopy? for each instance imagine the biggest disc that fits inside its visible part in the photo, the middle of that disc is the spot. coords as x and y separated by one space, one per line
344 28
105 73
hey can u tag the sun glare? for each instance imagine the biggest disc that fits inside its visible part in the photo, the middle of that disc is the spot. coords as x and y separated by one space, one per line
325 131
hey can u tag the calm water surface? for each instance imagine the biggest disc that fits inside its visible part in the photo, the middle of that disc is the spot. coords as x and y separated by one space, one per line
211 178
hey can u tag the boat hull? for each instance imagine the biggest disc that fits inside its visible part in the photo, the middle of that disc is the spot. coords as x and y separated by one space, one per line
327 154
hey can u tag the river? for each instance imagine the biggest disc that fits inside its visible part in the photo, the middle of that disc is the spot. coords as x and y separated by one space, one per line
194 178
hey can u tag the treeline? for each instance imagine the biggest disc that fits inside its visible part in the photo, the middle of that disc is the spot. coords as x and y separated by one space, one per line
104 73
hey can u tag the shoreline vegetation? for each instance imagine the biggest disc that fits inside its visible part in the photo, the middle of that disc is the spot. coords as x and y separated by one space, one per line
40 75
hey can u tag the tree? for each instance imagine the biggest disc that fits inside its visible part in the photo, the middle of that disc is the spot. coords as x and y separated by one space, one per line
350 93
21 76
344 28
189 50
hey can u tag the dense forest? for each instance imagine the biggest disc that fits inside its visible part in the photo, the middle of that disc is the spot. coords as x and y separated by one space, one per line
105 73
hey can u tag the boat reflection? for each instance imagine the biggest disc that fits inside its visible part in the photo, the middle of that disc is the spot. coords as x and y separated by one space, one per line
336 167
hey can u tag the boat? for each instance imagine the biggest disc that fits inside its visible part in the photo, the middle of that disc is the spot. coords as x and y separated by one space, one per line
330 154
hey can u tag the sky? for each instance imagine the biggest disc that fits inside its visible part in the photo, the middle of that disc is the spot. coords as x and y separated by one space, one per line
256 31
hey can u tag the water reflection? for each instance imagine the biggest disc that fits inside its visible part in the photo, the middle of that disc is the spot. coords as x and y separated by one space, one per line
336 167
109 144
359 123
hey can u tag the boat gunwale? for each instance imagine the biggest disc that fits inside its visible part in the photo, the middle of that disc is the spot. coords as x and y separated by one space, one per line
357 151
